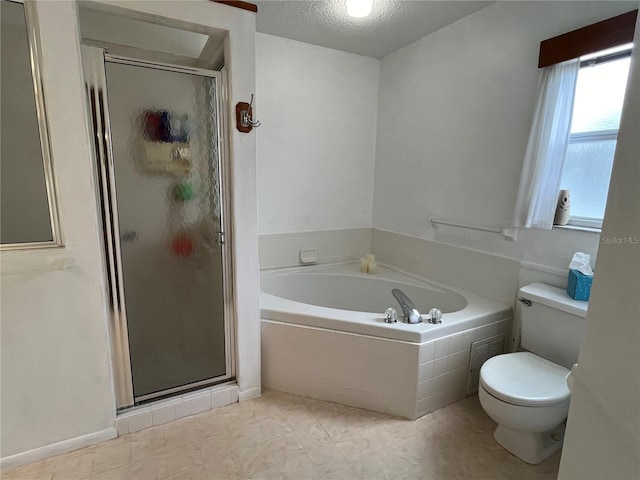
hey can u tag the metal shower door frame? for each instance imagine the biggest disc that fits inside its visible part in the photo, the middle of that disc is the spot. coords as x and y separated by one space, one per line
94 60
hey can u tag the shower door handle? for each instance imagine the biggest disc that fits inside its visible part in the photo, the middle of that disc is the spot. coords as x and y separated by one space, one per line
220 238
129 236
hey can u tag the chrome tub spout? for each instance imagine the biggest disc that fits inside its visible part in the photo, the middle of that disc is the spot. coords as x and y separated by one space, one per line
409 310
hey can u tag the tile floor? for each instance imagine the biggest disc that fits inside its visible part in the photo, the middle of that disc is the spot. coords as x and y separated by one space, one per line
282 436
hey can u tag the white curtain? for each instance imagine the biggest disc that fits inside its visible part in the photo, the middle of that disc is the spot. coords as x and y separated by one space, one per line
548 139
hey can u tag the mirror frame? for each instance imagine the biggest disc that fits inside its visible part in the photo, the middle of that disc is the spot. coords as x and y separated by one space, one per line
35 54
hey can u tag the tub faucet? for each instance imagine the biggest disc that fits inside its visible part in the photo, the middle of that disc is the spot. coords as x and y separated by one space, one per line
409 310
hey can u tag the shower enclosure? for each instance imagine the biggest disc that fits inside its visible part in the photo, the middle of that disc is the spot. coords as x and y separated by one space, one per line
159 162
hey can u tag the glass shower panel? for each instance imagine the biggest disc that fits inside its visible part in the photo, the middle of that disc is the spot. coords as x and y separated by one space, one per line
166 163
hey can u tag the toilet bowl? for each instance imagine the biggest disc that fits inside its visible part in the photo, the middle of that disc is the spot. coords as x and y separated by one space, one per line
527 396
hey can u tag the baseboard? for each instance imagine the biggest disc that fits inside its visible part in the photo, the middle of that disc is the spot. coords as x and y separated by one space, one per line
58 448
249 394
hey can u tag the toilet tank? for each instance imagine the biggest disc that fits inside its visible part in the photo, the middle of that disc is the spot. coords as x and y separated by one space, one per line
552 323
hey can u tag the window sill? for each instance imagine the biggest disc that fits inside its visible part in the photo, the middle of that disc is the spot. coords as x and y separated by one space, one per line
577 228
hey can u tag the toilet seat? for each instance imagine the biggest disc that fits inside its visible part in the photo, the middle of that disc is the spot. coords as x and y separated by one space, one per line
525 379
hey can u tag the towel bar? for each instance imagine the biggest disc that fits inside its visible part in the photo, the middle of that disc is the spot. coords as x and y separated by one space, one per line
435 221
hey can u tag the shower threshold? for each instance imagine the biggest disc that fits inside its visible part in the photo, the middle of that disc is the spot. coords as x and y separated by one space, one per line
157 412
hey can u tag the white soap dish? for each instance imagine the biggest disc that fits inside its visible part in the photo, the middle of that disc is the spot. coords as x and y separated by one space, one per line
308 256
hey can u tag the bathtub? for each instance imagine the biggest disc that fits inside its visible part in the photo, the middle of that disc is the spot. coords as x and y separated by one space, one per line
324 336
339 297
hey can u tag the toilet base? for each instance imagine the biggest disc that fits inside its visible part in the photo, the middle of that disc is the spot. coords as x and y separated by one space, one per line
531 447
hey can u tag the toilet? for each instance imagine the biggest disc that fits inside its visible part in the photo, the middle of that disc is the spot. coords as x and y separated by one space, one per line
526 392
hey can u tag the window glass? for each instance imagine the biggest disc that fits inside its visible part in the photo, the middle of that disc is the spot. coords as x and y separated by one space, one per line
586 174
596 117
25 215
599 96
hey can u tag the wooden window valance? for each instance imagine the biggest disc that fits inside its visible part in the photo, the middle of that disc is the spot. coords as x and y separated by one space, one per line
252 7
593 38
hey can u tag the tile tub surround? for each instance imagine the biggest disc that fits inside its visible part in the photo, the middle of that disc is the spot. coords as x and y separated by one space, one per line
477 270
283 249
281 436
400 378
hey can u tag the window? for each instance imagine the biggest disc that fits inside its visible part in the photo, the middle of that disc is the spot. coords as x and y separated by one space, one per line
28 207
597 107
578 155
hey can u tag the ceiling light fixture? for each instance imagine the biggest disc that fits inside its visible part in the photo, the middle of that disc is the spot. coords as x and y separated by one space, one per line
359 8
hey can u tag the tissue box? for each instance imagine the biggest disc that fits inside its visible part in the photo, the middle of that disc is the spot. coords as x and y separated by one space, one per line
579 285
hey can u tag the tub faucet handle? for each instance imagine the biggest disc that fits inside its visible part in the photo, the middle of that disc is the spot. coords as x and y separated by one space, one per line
435 316
390 315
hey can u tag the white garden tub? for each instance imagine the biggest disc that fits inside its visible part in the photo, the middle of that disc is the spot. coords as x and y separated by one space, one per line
323 336
339 297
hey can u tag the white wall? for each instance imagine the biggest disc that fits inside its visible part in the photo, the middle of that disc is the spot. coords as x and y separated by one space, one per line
56 382
470 88
603 430
316 145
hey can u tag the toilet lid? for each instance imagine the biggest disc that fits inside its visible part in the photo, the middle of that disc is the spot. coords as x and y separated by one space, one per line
523 378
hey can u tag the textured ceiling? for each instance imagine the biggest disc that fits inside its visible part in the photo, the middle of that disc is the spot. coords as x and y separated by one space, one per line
391 25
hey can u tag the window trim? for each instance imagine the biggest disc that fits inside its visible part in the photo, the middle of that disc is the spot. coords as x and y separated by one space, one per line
587 222
594 136
611 57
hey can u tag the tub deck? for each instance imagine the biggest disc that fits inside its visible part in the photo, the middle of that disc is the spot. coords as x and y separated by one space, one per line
477 311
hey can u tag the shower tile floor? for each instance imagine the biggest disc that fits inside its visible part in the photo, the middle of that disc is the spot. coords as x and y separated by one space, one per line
282 436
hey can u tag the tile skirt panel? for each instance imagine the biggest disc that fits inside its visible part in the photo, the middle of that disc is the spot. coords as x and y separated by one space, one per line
399 378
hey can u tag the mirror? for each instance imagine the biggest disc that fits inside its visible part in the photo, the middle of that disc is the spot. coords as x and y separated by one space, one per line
28 213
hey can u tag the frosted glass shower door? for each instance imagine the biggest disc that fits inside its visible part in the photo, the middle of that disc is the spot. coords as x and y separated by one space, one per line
165 141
